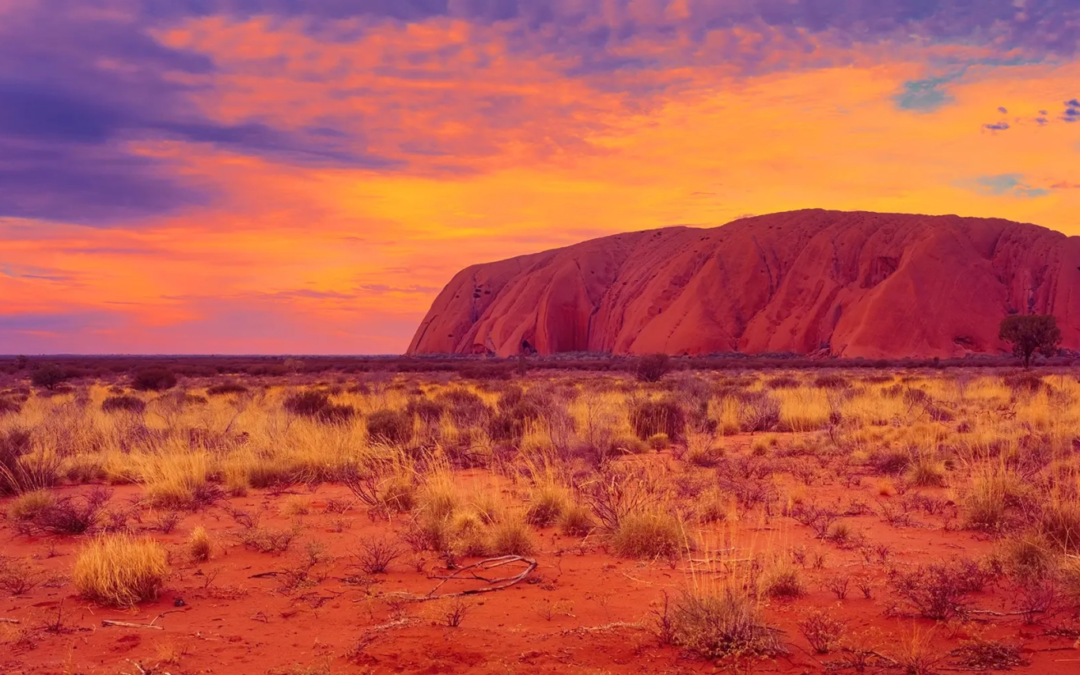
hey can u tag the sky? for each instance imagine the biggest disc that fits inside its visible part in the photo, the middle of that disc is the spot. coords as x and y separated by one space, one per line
301 177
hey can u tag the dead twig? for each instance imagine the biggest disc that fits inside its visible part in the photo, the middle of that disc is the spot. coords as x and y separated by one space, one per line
496 584
125 624
3 620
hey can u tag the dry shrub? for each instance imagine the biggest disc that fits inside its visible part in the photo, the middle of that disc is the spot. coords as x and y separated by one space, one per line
940 591
831 382
391 427
226 388
154 379
821 630
652 367
120 571
649 534
664 416
758 411
199 544
316 405
70 515
18 576
376 553
123 403
725 625
985 655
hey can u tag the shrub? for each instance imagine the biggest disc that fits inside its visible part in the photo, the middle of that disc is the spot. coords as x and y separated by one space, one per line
124 403
73 515
781 382
9 406
48 376
822 631
199 545
376 554
153 379
465 408
390 427
226 388
724 625
317 405
939 590
653 367
758 411
120 571
648 534
665 416
831 382
427 410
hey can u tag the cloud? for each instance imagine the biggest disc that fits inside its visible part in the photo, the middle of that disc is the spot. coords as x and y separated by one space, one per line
925 95
998 126
1072 111
1009 184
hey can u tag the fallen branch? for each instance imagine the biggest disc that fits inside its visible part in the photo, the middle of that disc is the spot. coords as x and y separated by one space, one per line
125 624
3 620
497 584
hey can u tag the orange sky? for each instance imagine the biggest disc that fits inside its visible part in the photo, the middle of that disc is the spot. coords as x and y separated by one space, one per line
261 183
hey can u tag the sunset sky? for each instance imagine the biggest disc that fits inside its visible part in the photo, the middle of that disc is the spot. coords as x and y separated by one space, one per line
215 176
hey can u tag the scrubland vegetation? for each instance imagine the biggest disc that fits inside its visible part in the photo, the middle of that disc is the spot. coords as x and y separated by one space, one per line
909 520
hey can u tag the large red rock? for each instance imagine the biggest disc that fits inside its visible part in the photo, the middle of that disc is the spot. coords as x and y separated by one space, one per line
854 284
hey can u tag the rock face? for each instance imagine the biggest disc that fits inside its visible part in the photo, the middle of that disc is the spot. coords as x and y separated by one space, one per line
851 284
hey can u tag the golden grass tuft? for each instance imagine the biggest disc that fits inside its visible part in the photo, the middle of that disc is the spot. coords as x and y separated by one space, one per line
119 570
199 545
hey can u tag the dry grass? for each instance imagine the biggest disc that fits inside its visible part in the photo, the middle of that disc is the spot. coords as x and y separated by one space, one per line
120 571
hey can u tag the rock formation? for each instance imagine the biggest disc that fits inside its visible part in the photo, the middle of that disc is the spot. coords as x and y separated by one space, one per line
851 284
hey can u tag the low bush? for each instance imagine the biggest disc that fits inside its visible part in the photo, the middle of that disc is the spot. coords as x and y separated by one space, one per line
123 403
317 405
120 571
226 388
390 427
652 368
664 416
722 626
376 553
546 505
153 379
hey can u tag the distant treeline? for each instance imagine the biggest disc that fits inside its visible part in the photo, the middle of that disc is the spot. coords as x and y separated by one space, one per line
74 367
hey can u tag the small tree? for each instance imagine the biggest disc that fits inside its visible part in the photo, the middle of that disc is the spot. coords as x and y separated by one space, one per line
1030 333
48 376
652 367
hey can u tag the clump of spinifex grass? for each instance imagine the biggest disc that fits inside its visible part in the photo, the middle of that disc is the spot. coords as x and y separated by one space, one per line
119 570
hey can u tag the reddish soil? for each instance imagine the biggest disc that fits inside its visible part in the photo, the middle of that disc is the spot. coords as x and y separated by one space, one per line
582 610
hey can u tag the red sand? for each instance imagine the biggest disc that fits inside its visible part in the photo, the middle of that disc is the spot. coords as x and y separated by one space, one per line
583 610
